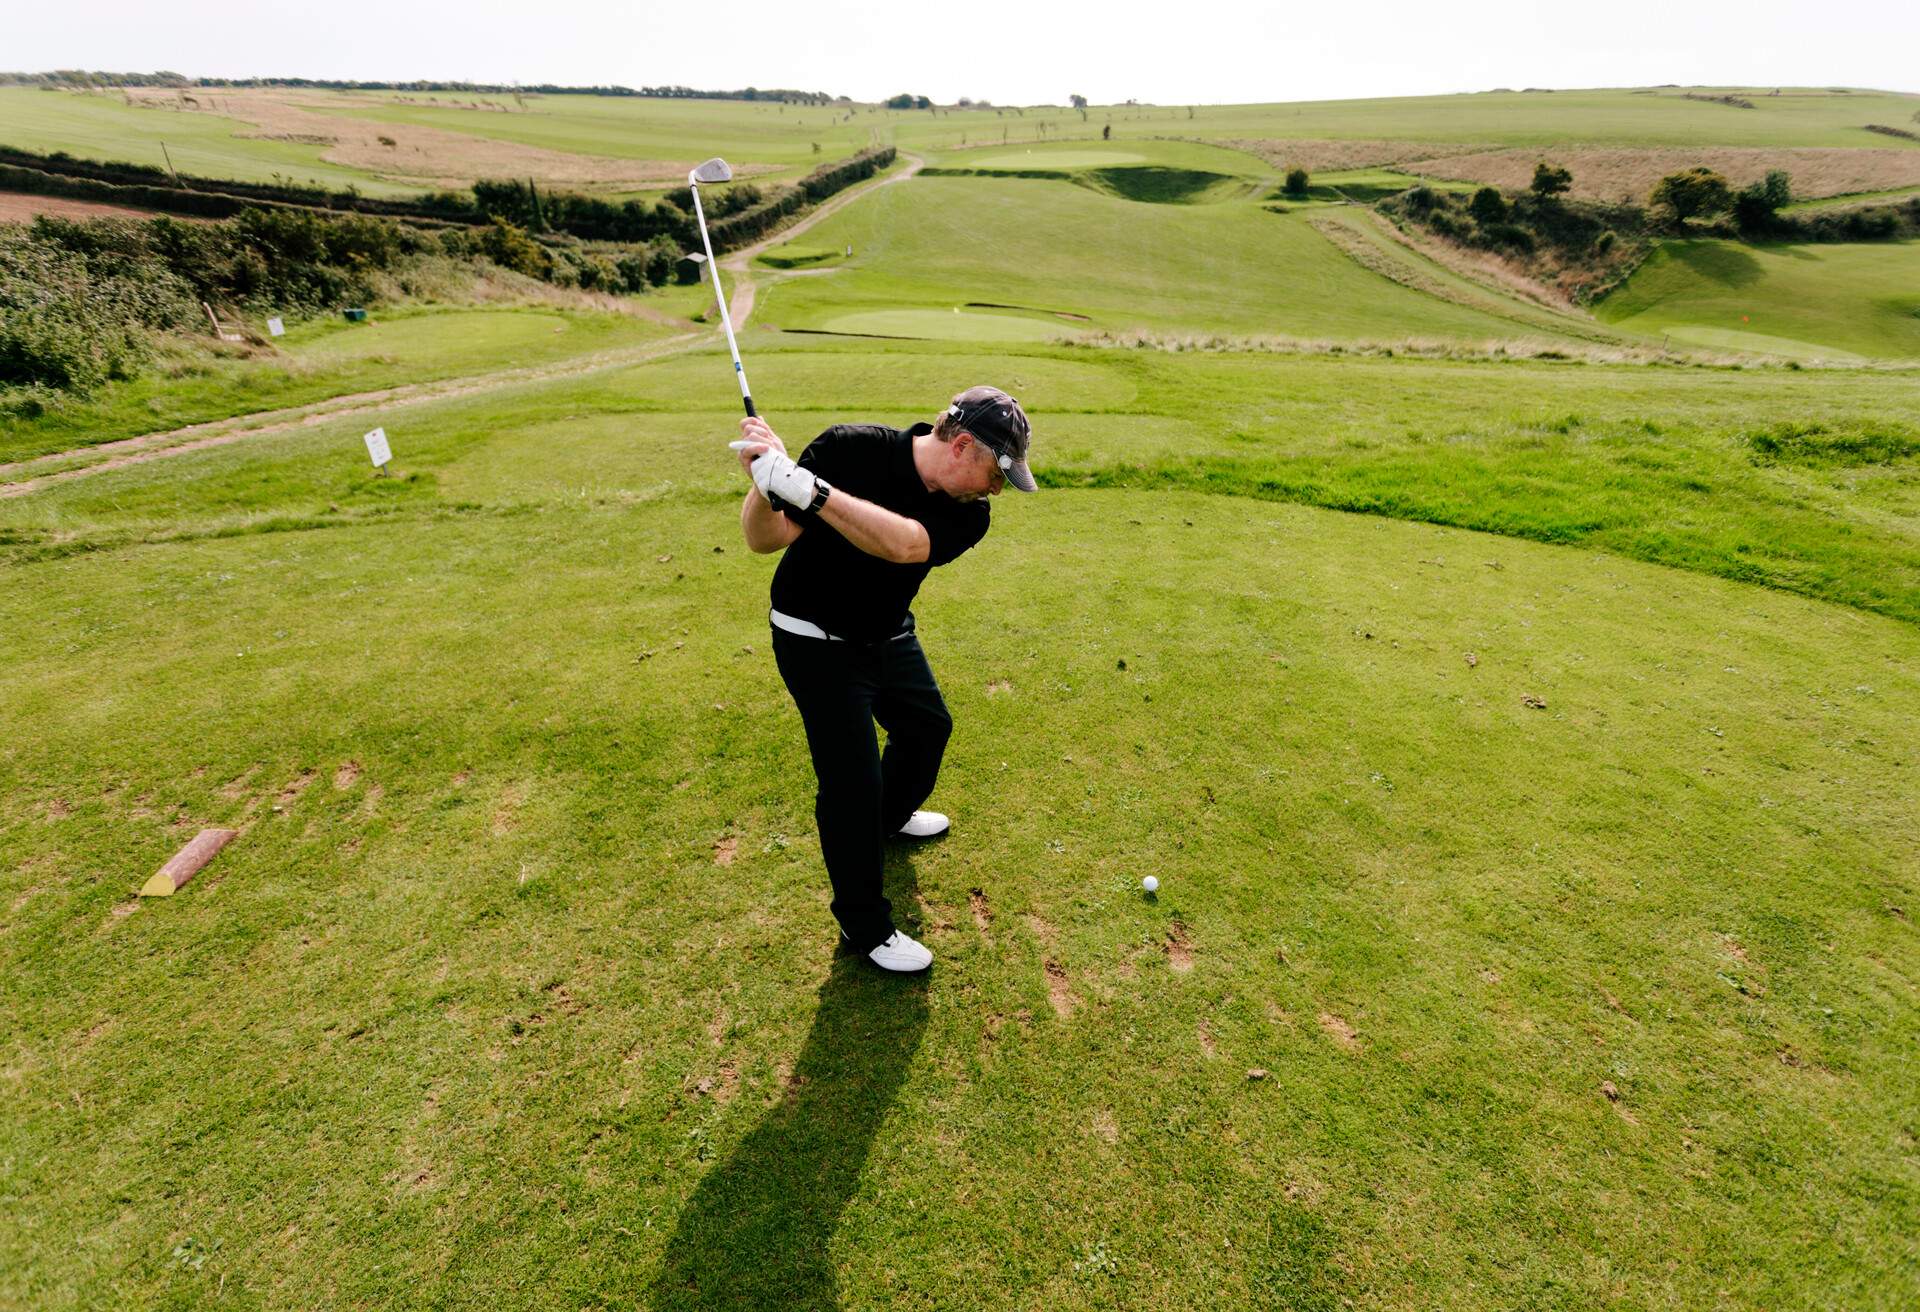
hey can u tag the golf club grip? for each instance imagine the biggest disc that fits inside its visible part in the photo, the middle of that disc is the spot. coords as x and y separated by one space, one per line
751 412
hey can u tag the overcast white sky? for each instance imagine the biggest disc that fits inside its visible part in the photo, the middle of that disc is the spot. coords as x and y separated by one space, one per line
1195 51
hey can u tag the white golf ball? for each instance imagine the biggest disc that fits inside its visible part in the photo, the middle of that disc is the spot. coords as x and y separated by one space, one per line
1151 884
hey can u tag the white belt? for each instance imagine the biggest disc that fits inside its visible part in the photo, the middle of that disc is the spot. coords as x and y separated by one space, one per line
808 629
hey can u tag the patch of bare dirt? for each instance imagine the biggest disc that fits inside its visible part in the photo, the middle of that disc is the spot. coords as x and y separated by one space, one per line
1059 992
1613 1096
1105 1128
374 793
290 792
564 1001
1341 1032
505 811
59 809
725 850
1629 175
999 686
1178 947
1207 1043
236 788
933 917
982 913
346 776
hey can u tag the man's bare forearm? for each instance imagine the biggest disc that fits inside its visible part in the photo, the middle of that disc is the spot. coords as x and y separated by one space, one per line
766 529
876 530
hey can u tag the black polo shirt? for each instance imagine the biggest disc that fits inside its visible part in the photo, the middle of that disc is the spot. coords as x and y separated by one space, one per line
826 579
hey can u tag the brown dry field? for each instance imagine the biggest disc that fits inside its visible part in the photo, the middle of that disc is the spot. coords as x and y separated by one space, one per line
18 208
432 157
1317 156
1615 174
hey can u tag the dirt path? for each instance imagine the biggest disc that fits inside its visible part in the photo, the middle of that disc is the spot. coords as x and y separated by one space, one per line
220 432
740 303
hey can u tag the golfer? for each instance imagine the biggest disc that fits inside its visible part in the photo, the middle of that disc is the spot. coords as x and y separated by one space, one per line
862 516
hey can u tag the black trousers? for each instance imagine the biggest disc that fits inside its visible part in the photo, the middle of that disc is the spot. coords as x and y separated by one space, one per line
864 794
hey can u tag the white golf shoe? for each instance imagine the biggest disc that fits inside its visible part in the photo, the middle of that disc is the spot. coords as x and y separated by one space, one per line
902 954
925 824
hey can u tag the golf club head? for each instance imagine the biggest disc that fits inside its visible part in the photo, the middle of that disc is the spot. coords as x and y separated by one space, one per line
714 170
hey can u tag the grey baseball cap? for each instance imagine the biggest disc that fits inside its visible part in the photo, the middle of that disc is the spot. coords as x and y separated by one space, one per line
997 420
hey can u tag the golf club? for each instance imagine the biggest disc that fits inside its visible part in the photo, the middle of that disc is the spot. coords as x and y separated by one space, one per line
717 170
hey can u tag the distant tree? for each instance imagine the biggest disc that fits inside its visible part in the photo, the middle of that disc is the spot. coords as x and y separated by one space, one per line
965 102
1489 207
1297 180
1079 102
901 101
1754 208
1691 193
1550 180
1778 188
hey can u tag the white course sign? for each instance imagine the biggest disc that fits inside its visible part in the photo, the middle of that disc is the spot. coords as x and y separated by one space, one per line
378 449
277 328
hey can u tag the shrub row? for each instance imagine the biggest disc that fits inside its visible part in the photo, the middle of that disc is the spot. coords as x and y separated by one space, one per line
733 216
1525 222
440 205
168 199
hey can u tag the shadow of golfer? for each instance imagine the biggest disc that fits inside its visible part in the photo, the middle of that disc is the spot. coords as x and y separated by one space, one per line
756 1232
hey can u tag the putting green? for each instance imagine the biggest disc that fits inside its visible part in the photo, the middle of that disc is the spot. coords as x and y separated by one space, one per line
948 325
1057 159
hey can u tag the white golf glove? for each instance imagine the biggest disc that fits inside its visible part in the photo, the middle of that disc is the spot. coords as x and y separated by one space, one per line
781 481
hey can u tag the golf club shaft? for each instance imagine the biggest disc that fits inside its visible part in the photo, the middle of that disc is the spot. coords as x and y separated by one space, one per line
726 320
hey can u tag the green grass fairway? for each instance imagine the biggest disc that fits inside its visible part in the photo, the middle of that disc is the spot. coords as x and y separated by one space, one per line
1057 159
1547 1004
1821 300
938 242
948 325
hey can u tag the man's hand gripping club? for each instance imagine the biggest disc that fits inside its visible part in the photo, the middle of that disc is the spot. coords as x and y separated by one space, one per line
777 477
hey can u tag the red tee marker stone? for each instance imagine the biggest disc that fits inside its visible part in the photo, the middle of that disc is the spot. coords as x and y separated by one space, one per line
187 862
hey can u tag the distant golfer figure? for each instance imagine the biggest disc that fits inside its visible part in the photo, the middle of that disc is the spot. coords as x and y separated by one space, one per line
862 516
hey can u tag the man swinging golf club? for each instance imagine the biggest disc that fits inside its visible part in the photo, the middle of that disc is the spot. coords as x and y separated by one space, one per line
862 516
